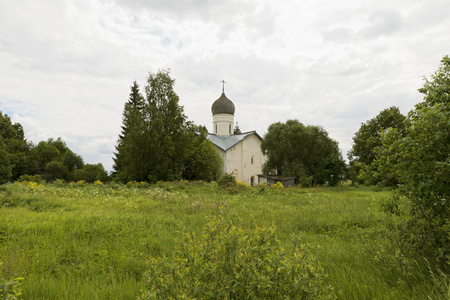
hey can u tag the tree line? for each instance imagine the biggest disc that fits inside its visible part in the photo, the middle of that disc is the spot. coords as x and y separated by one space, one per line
156 143
48 160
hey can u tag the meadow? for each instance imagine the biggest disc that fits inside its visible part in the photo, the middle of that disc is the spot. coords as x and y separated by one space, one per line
93 241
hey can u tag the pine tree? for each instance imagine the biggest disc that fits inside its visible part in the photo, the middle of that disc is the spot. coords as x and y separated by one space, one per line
153 143
131 139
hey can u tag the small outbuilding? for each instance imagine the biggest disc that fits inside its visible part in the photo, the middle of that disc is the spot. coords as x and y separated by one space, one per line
272 179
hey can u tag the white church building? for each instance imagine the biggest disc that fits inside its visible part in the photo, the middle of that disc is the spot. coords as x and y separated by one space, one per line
241 153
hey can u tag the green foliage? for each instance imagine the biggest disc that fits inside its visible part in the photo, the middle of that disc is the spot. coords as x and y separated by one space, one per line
128 158
9 289
233 262
237 129
55 169
306 181
152 144
14 150
229 183
91 173
199 128
366 141
293 149
52 159
226 180
5 164
419 159
437 89
203 161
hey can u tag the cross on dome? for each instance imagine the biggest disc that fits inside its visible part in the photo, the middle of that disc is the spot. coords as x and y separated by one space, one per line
223 86
223 105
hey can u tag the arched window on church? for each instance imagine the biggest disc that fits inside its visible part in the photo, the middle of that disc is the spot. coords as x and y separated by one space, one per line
251 160
229 129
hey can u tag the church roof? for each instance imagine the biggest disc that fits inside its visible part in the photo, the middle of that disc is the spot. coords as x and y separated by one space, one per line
223 105
225 142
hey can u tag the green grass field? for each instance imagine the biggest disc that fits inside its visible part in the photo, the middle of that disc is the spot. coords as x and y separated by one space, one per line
92 241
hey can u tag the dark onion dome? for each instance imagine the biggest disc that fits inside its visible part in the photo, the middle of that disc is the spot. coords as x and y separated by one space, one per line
223 105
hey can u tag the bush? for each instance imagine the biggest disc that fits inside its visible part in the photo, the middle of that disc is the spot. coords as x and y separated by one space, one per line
31 178
231 262
91 173
231 185
9 290
226 180
277 186
306 181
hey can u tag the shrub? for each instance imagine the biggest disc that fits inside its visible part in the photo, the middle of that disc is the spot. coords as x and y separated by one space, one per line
59 182
277 186
232 262
226 180
31 178
91 173
306 181
9 290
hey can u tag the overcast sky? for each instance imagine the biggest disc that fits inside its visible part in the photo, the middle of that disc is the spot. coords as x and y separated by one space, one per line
66 66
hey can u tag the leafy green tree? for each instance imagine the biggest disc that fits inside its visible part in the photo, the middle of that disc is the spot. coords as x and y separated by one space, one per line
323 159
72 162
419 158
91 173
155 133
367 139
54 160
199 128
14 150
168 134
293 149
5 163
42 154
55 169
203 161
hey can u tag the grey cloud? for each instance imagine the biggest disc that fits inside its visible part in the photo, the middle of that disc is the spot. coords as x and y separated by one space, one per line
382 22
338 35
228 15
195 9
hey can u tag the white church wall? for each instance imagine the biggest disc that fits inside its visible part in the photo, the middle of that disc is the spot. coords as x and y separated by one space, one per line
223 124
252 159
234 155
223 154
245 160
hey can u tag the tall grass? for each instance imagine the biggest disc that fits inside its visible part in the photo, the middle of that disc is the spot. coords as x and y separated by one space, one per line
93 241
